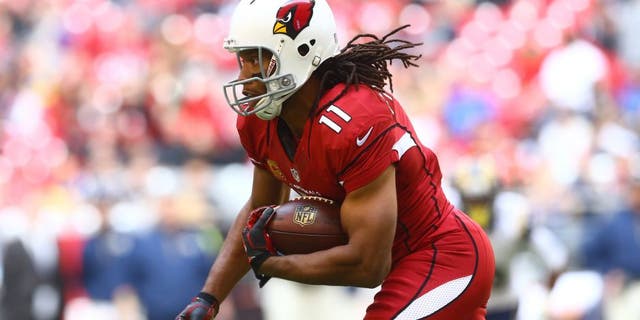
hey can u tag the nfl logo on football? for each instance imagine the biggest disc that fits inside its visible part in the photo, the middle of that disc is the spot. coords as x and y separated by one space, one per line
305 215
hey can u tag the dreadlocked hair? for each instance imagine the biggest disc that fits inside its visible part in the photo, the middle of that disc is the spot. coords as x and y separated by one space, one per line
365 63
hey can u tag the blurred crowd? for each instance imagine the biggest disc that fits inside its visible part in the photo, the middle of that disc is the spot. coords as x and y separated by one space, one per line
120 169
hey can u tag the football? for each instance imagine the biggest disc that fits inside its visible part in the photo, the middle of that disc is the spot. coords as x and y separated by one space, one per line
305 225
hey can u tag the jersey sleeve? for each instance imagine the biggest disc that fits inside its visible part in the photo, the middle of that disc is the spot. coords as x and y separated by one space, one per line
368 163
369 142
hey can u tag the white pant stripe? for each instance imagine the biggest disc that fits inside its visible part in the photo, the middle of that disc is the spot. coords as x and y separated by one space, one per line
435 299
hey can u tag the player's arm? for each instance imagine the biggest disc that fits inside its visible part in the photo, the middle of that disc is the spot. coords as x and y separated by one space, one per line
231 263
369 217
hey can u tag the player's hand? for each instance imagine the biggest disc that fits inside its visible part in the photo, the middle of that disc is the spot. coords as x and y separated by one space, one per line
203 307
256 240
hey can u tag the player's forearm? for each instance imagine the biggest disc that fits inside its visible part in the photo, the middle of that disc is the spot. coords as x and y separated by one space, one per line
231 263
342 266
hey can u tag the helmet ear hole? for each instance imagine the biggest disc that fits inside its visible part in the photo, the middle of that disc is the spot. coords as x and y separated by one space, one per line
312 42
303 49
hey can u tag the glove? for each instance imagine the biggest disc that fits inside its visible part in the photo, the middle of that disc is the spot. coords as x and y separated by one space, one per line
203 307
257 242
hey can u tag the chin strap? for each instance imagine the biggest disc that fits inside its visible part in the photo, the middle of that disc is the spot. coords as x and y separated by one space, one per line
271 111
273 108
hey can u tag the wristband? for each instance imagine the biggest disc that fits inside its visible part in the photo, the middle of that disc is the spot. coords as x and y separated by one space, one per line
211 299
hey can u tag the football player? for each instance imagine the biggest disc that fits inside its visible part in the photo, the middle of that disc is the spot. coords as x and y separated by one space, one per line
318 120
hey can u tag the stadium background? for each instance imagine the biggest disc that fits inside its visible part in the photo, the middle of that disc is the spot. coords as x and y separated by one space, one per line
120 169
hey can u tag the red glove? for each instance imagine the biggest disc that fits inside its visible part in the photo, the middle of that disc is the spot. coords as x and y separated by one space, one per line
203 307
257 242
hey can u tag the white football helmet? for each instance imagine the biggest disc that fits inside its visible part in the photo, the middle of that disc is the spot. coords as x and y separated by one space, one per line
300 34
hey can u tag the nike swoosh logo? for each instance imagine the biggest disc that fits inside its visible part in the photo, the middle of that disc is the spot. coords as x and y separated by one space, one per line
361 141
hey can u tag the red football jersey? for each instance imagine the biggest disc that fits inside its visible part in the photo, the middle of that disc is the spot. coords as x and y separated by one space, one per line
347 145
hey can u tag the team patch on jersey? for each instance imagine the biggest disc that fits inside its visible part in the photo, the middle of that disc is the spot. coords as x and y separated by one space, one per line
295 174
305 215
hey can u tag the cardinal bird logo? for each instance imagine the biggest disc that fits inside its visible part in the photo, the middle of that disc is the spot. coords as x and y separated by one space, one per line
293 17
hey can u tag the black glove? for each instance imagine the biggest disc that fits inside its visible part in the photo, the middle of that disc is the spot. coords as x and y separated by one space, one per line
203 307
257 242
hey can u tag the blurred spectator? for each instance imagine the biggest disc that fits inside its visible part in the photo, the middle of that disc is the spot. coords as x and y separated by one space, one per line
476 181
31 280
624 14
20 282
505 215
614 245
565 141
170 261
106 259
571 75
613 249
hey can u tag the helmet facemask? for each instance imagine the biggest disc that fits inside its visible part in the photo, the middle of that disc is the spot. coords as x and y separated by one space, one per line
278 88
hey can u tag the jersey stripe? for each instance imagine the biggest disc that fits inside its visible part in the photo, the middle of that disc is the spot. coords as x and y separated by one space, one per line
403 144
435 299
431 182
